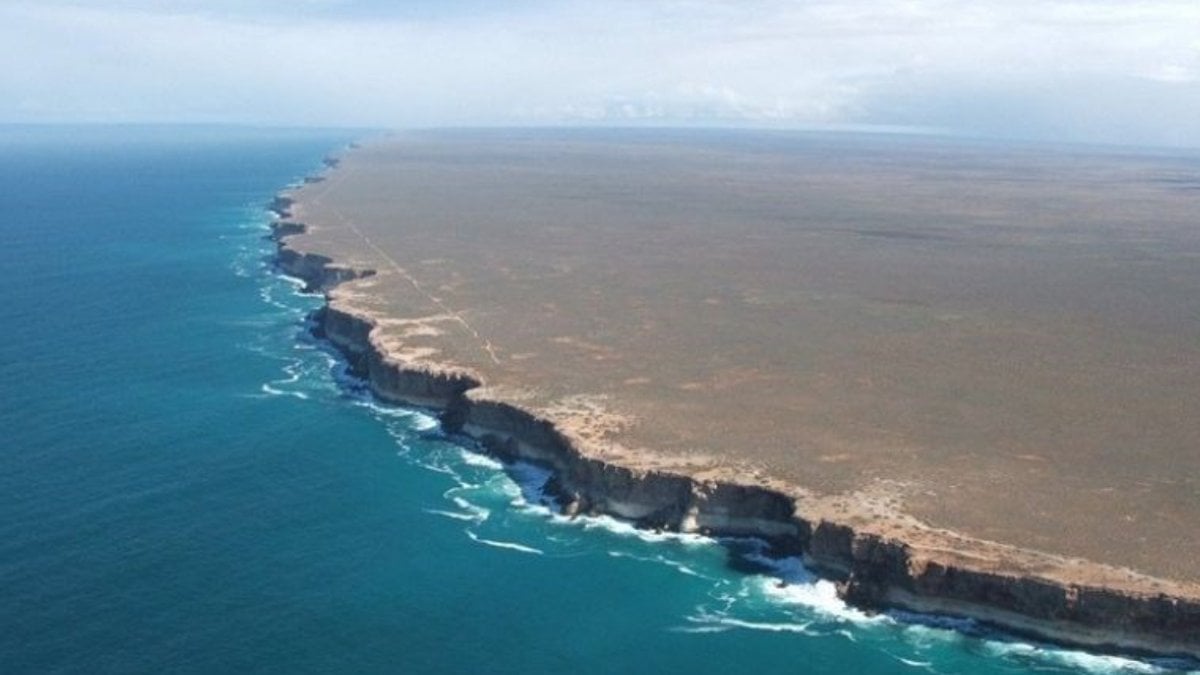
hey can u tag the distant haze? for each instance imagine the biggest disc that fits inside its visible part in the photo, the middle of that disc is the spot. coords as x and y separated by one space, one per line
1103 71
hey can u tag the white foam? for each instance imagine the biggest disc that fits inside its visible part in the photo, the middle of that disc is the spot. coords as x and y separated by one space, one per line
454 515
268 389
293 376
480 460
267 295
504 544
423 422
820 595
661 560
706 619
298 285
700 629
924 628
1093 663
296 282
478 513
437 462
438 468
624 529
790 582
293 370
417 420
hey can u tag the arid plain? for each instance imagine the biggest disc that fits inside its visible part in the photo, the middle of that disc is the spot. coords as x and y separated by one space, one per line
998 341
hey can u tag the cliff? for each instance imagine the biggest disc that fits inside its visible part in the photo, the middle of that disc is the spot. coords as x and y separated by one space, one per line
1066 601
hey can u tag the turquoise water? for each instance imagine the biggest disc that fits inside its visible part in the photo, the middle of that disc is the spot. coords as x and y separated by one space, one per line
189 484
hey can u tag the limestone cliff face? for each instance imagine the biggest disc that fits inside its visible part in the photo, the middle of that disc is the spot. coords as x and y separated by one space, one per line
389 380
873 571
1083 614
281 206
881 572
652 499
286 228
318 272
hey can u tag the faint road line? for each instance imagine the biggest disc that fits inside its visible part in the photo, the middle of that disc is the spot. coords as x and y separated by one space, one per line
484 343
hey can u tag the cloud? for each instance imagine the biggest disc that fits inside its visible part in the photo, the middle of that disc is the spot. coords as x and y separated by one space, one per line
1019 68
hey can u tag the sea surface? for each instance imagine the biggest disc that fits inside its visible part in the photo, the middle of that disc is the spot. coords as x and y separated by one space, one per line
190 483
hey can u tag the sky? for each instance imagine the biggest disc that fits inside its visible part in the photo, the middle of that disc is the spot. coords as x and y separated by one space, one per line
1099 71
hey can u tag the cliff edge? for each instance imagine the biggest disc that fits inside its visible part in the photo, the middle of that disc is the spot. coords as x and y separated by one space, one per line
879 557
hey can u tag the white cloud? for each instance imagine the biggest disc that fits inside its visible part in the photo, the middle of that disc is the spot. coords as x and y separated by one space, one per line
1007 67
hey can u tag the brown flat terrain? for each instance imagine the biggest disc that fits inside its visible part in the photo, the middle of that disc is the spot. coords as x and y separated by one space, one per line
1003 342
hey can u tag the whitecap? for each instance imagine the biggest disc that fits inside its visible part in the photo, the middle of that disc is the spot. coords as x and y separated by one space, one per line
429 465
423 421
819 595
1094 663
700 629
454 515
298 285
504 544
478 513
268 389
626 529
269 298
705 618
293 370
480 460
295 282
661 560
416 419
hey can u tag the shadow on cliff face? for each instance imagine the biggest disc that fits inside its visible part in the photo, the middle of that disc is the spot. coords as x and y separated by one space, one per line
742 557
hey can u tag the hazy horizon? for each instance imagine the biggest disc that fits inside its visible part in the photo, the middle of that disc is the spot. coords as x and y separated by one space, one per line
1091 71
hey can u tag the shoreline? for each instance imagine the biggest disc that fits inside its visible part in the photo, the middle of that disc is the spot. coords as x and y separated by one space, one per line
1022 592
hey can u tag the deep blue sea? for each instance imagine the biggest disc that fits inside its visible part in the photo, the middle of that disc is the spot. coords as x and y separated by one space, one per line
188 483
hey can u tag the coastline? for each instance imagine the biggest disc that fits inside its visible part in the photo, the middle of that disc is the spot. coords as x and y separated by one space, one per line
1020 591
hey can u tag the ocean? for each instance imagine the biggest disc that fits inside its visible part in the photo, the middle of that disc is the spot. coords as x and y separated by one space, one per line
189 482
